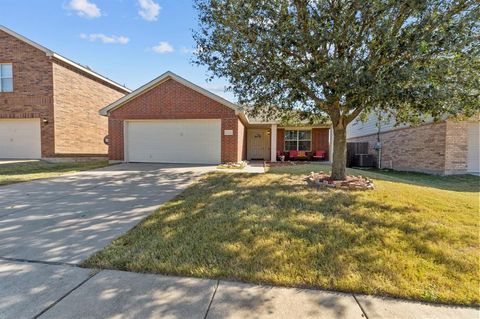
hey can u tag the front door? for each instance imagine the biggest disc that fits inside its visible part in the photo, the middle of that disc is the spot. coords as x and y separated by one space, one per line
258 145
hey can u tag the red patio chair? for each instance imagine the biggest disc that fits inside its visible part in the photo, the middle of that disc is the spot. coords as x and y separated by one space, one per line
292 154
320 155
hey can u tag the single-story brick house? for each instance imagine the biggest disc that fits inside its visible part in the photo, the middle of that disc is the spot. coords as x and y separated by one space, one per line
49 104
446 147
172 120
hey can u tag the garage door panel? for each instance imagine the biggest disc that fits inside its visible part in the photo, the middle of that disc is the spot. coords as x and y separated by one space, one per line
174 141
20 138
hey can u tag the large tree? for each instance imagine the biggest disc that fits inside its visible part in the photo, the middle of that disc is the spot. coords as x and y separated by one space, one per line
346 58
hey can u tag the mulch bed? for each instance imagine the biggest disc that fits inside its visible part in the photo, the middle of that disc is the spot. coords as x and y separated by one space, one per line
322 179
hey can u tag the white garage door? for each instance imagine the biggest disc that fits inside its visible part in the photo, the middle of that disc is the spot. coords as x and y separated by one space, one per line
473 148
173 141
20 138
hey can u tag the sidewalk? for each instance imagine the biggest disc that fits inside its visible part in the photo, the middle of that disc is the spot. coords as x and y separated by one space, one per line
46 290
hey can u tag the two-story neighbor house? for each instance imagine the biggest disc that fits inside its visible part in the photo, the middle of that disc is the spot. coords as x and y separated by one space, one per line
49 104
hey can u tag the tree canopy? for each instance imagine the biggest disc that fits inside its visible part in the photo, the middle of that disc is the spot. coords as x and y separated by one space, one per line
346 58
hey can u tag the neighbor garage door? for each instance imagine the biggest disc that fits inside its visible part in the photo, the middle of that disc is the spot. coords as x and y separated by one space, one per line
20 138
473 148
173 141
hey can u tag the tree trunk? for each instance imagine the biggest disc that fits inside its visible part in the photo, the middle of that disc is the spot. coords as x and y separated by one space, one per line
339 152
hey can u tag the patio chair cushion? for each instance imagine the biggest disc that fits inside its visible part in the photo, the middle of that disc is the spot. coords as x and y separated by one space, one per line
320 154
292 153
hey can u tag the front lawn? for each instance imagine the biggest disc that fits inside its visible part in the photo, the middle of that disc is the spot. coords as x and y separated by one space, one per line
415 236
23 171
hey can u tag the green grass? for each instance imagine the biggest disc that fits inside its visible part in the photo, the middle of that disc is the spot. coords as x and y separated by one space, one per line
23 171
416 236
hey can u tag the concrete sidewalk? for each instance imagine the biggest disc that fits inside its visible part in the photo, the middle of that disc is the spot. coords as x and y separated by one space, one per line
41 290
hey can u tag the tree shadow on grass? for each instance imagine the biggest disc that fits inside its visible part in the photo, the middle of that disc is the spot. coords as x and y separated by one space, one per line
235 227
457 183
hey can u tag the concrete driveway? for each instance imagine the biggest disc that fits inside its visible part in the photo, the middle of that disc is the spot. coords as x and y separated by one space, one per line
68 218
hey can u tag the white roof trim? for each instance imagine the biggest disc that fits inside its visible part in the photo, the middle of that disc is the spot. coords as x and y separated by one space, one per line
49 52
22 38
92 73
162 78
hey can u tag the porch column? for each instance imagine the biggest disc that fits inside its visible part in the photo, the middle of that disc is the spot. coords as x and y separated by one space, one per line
273 143
330 145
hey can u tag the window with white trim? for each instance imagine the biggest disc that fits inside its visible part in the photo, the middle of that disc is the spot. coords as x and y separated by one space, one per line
6 77
298 140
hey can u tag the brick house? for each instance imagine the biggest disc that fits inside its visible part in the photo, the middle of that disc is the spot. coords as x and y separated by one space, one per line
447 147
175 121
49 104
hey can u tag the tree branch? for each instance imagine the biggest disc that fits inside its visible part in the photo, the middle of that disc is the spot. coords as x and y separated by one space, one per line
356 112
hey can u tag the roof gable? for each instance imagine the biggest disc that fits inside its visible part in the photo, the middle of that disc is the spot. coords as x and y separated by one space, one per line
51 53
161 79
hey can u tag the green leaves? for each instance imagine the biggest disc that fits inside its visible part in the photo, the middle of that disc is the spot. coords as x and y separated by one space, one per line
341 58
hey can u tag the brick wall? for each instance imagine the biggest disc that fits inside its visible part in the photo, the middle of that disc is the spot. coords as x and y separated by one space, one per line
280 139
173 100
320 140
79 128
456 148
32 95
420 149
66 99
115 134
230 142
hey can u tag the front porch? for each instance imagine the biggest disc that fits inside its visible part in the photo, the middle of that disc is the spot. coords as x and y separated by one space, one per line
271 142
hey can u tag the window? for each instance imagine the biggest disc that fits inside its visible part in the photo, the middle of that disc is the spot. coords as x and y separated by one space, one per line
6 77
298 140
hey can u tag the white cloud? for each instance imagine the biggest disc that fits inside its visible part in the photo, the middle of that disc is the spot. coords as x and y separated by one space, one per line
163 47
105 38
149 9
84 8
